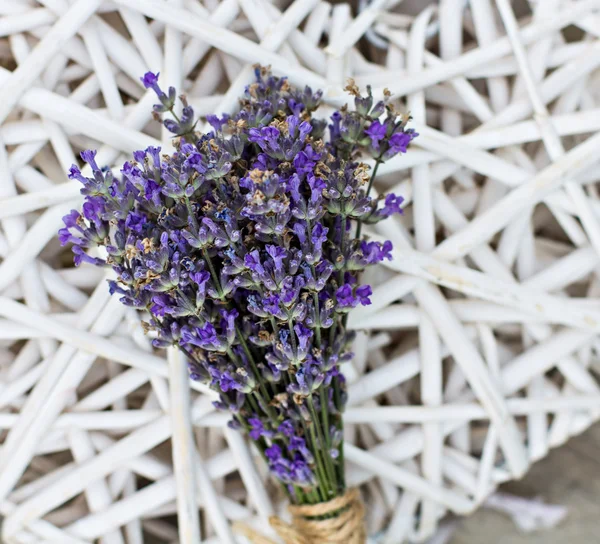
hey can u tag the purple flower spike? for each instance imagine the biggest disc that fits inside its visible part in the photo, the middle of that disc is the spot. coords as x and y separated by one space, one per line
71 220
376 132
150 81
258 429
345 297
392 205
154 152
363 293
376 252
286 428
252 261
75 173
89 156
399 142
273 453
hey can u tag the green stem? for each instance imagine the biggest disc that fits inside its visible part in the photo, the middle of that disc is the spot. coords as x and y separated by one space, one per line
321 475
317 315
233 357
327 461
254 404
324 484
343 238
213 272
293 337
337 398
315 294
275 327
191 213
333 331
256 373
314 496
325 416
172 112
378 161
340 278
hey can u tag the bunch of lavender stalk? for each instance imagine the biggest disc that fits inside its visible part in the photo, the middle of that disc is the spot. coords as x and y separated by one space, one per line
243 249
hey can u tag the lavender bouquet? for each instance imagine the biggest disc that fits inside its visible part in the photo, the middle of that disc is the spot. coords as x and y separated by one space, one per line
243 249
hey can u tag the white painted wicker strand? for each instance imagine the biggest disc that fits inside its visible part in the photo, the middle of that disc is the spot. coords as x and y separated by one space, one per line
481 350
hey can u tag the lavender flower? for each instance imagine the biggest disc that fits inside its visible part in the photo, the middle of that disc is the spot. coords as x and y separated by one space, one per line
238 248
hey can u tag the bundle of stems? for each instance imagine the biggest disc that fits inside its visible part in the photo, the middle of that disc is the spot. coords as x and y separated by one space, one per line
243 248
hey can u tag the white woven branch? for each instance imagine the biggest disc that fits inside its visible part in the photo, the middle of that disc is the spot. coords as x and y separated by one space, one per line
475 356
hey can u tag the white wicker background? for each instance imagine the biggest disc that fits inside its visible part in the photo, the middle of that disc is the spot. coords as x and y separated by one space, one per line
491 359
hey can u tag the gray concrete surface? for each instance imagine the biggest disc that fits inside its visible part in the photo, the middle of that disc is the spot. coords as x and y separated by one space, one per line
570 475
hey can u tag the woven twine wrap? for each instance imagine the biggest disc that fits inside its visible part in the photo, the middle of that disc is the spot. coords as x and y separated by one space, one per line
346 527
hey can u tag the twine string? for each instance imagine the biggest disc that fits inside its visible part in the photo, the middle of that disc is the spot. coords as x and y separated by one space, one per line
339 520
